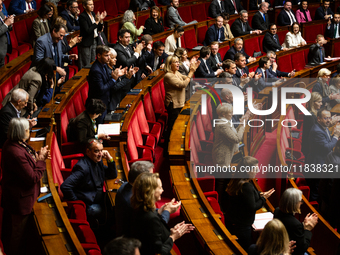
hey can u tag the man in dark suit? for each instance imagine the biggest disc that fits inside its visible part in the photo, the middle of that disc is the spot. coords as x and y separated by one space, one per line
233 6
241 26
50 46
271 40
164 2
6 25
103 81
273 72
70 14
204 70
229 67
260 20
333 27
216 8
87 179
22 6
238 48
215 32
265 80
102 40
90 24
282 2
147 41
141 5
256 4
286 17
321 142
156 59
324 12
12 109
316 53
215 57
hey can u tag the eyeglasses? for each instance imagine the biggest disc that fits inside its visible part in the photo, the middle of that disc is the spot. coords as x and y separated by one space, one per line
75 7
327 118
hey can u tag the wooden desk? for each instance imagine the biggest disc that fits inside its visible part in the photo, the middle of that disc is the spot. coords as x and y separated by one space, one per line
336 109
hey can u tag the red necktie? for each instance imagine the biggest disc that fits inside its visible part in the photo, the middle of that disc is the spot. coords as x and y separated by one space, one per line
29 6
234 5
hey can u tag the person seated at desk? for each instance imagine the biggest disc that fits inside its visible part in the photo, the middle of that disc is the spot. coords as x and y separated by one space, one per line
324 11
227 32
303 14
261 19
271 40
273 68
83 127
333 27
128 21
154 24
215 57
156 59
87 179
215 32
238 48
286 17
71 15
293 37
173 41
316 54
290 204
241 26
22 6
265 80
204 70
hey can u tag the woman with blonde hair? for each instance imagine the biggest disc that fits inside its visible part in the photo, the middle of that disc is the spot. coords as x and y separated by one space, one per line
273 240
323 88
243 200
148 226
290 204
128 22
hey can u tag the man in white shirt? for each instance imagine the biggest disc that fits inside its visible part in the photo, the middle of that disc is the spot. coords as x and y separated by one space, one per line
22 6
286 17
204 70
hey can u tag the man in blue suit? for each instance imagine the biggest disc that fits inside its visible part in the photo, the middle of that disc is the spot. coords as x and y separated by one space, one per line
266 80
321 142
71 15
104 81
204 70
324 12
215 32
238 48
273 71
286 17
50 46
21 6
87 179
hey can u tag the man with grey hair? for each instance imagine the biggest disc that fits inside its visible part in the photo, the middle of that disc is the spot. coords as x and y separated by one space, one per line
123 207
12 110
261 19
238 48
173 16
273 72
241 26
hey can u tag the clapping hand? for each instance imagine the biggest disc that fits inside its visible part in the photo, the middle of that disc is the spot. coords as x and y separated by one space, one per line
180 229
118 72
43 154
131 72
268 193
171 207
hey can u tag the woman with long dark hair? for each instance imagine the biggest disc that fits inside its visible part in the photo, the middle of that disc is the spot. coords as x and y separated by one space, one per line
40 24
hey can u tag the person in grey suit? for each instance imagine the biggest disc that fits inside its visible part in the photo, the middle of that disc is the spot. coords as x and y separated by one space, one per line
50 46
173 16
5 39
241 26
316 53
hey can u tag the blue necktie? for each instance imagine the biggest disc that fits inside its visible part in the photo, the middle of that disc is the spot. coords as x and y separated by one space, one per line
321 56
275 39
264 17
218 35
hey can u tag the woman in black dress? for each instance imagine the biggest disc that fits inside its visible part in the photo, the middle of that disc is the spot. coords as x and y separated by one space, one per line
154 24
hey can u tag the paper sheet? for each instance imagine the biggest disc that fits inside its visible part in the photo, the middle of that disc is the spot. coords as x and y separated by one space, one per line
109 129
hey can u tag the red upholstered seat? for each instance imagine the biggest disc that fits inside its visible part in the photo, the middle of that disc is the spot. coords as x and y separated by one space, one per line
122 6
175 248
29 26
198 12
113 31
190 38
150 114
204 136
299 61
261 42
76 210
111 8
21 32
99 6
140 138
15 45
25 68
313 31
250 45
336 49
165 200
212 198
282 35
83 232
12 56
142 18
5 88
16 77
135 152
185 13
183 41
157 99
201 31
285 63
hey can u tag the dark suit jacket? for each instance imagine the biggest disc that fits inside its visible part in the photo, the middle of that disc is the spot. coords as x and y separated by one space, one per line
87 29
319 88
308 123
230 8
164 2
231 54
237 78
80 185
314 54
152 231
215 9
21 176
295 231
202 71
123 58
106 42
151 27
263 81
253 4
258 21
330 32
72 24
151 59
7 113
276 74
19 6
319 145
141 4
236 28
212 35
80 129
280 2
283 18
320 13
213 63
269 43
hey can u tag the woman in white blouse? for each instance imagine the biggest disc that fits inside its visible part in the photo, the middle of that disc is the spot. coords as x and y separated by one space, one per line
173 41
294 38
